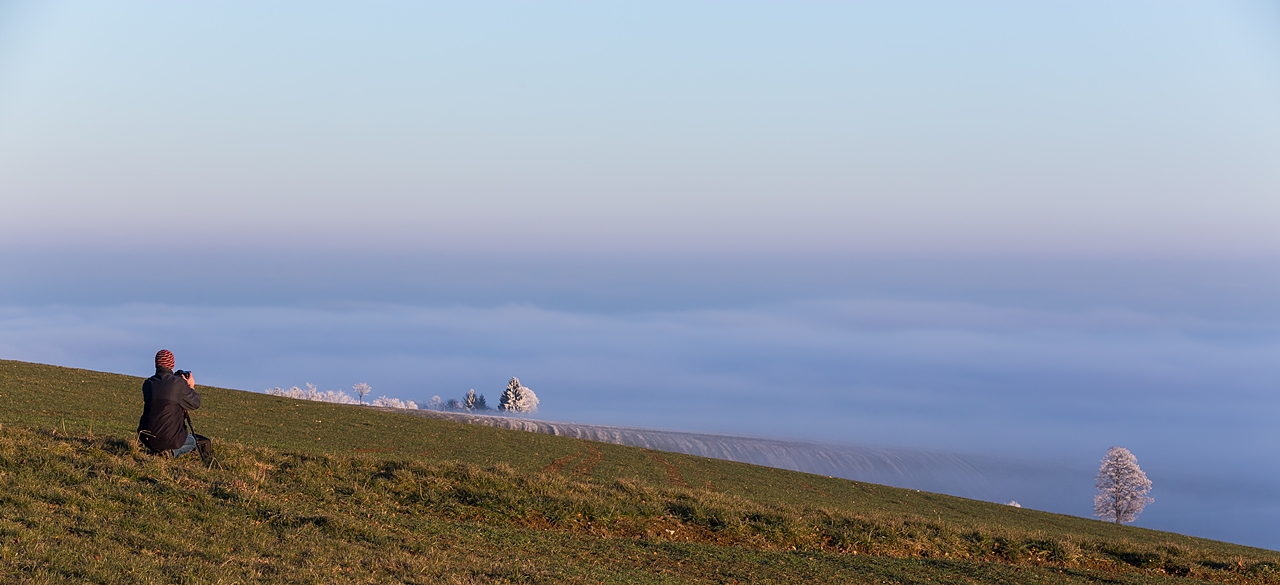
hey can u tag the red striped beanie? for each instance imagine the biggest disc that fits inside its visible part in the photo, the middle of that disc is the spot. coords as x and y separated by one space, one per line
164 359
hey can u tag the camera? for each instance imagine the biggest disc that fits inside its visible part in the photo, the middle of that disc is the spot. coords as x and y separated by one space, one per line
183 373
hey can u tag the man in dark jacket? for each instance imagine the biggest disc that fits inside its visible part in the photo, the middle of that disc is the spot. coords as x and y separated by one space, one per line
166 399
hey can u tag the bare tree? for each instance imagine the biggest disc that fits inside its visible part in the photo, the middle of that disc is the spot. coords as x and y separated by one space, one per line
362 390
1122 487
518 398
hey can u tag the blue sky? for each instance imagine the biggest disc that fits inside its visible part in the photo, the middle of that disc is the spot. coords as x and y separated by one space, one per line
919 128
1008 229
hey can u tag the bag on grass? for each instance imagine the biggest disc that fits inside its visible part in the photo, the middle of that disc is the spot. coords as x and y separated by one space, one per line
204 445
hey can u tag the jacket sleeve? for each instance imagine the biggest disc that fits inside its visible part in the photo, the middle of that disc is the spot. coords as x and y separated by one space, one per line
189 400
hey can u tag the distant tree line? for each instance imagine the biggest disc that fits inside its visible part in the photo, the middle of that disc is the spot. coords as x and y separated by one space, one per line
517 398
472 402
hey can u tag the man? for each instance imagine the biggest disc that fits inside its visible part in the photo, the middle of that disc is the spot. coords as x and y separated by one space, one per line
166 399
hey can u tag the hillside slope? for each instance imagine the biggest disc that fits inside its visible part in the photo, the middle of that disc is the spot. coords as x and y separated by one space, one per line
310 492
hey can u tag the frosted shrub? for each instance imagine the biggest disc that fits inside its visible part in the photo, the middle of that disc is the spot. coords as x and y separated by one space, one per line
518 398
340 397
395 403
434 404
1122 487
335 396
311 393
1014 503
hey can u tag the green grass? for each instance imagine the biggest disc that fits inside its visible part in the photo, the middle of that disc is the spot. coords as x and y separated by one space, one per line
318 493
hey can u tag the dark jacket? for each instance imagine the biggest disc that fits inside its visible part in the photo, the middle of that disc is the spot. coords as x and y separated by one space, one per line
165 398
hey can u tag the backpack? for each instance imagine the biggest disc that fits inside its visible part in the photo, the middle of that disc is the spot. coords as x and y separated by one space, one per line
204 445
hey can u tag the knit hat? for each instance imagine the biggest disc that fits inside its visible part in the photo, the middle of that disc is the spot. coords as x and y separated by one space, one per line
164 359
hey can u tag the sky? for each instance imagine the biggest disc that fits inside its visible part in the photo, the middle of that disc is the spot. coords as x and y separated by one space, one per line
1005 229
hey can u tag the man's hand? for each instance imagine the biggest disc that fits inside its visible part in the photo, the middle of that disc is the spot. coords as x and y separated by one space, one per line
191 381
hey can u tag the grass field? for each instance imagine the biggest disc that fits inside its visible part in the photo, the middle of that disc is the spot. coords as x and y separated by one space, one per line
308 492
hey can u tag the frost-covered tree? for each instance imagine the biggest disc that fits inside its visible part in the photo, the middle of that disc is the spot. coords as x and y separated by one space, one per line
453 404
481 403
518 398
362 390
435 403
1122 487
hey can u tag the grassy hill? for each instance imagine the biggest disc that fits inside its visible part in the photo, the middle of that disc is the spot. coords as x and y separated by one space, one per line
309 492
